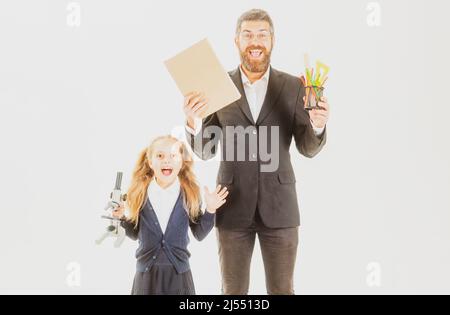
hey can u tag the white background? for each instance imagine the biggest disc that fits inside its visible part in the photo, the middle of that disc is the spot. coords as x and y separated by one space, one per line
79 103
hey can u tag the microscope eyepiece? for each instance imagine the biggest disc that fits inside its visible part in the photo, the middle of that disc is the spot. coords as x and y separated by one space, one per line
118 180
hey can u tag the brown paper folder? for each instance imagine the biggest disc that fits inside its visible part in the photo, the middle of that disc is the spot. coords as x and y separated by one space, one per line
197 69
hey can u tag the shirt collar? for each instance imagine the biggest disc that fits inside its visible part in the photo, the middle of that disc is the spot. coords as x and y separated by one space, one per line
172 190
246 81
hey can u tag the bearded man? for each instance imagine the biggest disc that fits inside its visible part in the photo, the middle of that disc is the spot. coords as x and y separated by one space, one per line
262 200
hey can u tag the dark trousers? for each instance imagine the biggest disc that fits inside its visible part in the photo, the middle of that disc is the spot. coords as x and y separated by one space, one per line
279 252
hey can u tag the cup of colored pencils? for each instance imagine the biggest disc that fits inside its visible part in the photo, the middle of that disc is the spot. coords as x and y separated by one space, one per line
313 81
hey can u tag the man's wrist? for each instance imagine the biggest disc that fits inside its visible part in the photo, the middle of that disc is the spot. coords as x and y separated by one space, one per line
190 123
318 131
195 127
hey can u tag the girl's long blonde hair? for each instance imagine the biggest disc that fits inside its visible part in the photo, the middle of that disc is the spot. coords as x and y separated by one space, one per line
143 175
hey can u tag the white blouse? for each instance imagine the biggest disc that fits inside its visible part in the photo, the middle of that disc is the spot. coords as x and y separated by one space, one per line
163 200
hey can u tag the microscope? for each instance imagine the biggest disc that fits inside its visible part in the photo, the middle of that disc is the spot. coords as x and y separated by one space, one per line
114 229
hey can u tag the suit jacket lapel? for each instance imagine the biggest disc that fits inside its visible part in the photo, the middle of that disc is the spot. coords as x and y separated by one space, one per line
274 88
273 92
242 102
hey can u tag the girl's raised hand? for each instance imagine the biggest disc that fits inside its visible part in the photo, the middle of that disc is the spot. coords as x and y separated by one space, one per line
216 199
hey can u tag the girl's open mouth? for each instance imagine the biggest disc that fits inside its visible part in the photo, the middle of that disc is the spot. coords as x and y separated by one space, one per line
166 171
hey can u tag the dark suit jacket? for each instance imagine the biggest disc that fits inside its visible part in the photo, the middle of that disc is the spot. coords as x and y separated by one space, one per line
272 194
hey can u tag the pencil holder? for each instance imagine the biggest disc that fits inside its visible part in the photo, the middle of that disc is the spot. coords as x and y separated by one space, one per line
312 97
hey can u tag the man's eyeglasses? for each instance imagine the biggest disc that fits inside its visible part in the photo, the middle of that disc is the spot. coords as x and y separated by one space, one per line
261 36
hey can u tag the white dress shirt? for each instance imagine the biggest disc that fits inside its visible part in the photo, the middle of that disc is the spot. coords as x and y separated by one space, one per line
255 93
163 200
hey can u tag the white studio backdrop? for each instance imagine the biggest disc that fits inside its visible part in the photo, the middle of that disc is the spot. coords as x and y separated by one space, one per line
83 90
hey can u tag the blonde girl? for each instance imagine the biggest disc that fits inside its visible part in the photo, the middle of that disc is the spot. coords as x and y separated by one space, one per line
164 202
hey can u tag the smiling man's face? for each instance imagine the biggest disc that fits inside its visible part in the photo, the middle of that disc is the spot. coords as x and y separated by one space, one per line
255 43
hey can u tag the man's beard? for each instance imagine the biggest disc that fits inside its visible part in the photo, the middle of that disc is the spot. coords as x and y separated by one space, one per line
256 66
